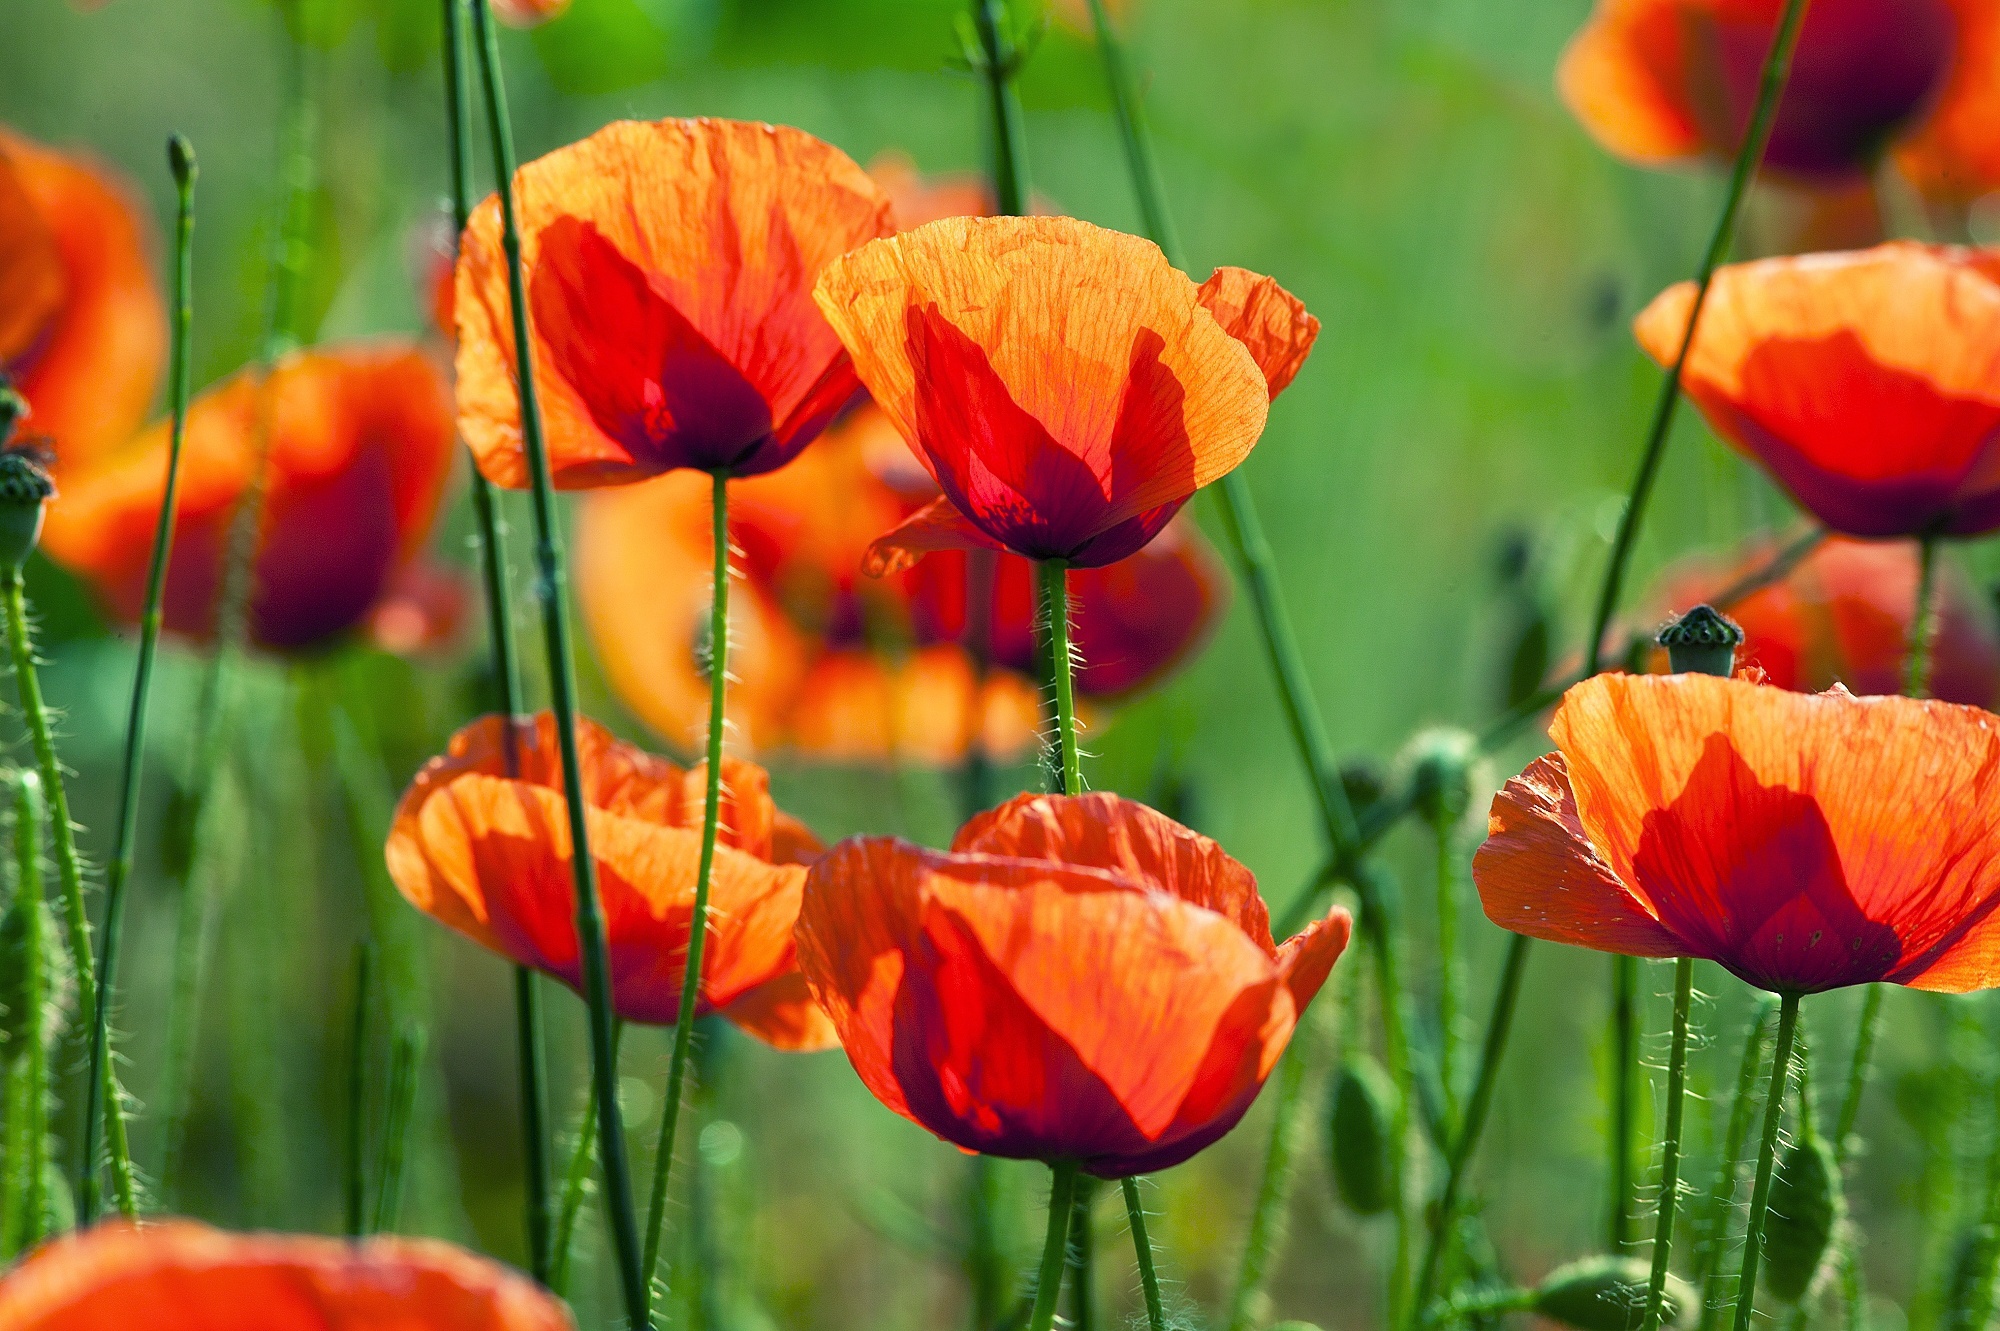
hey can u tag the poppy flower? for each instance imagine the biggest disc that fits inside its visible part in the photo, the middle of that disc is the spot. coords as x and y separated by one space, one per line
1078 978
1866 383
176 1275
669 268
1659 81
1063 384
528 13
84 332
360 447
917 199
488 854
1843 617
1802 841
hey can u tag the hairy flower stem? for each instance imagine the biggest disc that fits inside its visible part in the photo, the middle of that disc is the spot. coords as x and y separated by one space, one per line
998 61
30 819
1711 1223
1142 1248
718 696
1247 1306
1923 621
1670 1147
180 157
550 586
1083 1258
1624 1073
1760 1194
576 1182
1055 597
1055 1247
1865 1030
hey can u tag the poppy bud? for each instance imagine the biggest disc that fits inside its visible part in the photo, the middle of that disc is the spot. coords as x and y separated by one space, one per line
25 489
1607 1294
1364 782
1702 642
1805 1207
180 159
1361 1128
1438 766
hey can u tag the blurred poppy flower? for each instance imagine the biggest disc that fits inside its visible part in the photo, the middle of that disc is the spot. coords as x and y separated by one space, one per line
423 609
1843 617
1802 841
669 270
1659 81
917 199
528 13
360 449
488 855
1863 382
175 1275
1078 978
1063 384
83 329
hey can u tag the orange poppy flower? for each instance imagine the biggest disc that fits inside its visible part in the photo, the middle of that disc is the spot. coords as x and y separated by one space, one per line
528 13
84 338
1866 383
916 199
360 449
1063 384
1659 81
176 1275
1802 841
488 855
1843 617
669 269
1078 978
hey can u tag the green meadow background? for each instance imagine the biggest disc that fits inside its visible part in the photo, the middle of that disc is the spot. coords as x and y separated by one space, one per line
1404 167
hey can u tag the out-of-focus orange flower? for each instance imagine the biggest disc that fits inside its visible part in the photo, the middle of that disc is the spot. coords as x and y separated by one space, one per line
85 341
1866 383
423 610
1803 841
488 854
669 269
1078 978
1843 617
528 13
1659 81
176 1275
1064 384
918 199
360 448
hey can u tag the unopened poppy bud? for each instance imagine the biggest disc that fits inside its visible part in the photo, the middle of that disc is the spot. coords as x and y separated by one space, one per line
13 409
1607 1294
1364 782
1702 642
1805 1207
180 160
1438 766
25 490
1361 1130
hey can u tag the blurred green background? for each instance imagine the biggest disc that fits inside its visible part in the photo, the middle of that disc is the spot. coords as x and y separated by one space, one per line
1402 166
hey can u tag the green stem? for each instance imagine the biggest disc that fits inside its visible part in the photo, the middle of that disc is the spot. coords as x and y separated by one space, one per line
1138 144
532 1070
1923 622
718 695
550 586
1055 598
1378 929
30 818
1485 1304
1624 1070
1843 1149
998 60
355 1162
405 1053
1712 1221
1670 1149
576 1184
1055 1247
1247 1307
1142 1250
1083 1258
1760 1195
985 1265
1451 969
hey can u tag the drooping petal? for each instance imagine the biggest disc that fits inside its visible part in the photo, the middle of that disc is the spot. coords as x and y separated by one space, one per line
938 525
1267 319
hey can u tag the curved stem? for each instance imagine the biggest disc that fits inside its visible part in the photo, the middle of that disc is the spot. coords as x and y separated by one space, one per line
1055 1247
1142 1249
1760 1195
718 694
1670 1149
1267 1219
550 585
998 58
1923 621
1055 595
30 817
1132 133
1713 1219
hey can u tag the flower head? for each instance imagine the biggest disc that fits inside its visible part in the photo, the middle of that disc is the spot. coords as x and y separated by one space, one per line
1803 841
1078 978
488 854
528 13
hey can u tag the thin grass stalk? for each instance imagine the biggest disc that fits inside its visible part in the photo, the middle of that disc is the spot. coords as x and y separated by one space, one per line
30 819
1248 1305
1760 1195
1055 1246
354 1159
1670 1147
405 1056
1142 1248
1712 1220
550 586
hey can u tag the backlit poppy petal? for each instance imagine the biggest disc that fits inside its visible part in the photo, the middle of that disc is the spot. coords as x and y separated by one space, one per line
1622 75
936 526
176 1275
31 270
669 269
1954 154
783 1014
1264 317
528 13
1867 383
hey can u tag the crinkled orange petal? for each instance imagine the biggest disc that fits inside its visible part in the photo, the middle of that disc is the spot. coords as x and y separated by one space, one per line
1624 77
1264 317
92 372
31 270
1060 380
938 525
669 267
1867 383
1954 155
176 1275
783 1014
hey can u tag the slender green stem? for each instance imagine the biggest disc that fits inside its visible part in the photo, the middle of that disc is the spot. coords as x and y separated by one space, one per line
1378 930
1923 621
1247 1306
1624 1070
998 60
1142 1250
405 1056
1711 1222
1843 1148
985 1265
1055 1247
1083 1258
1670 1147
532 1071
576 1183
1767 1151
1055 597
1451 969
1131 117
1484 1304
355 1161
550 586
30 818
718 696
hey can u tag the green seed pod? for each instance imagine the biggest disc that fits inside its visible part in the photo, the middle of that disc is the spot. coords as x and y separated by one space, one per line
1439 766
1805 1207
1608 1294
1360 1131
1529 653
1702 642
25 490
1364 783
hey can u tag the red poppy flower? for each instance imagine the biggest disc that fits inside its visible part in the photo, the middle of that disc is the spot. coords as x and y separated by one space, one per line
176 1275
1666 80
423 610
1803 841
1078 978
1062 383
528 13
84 337
489 855
1843 617
669 270
360 449
1867 384
917 199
